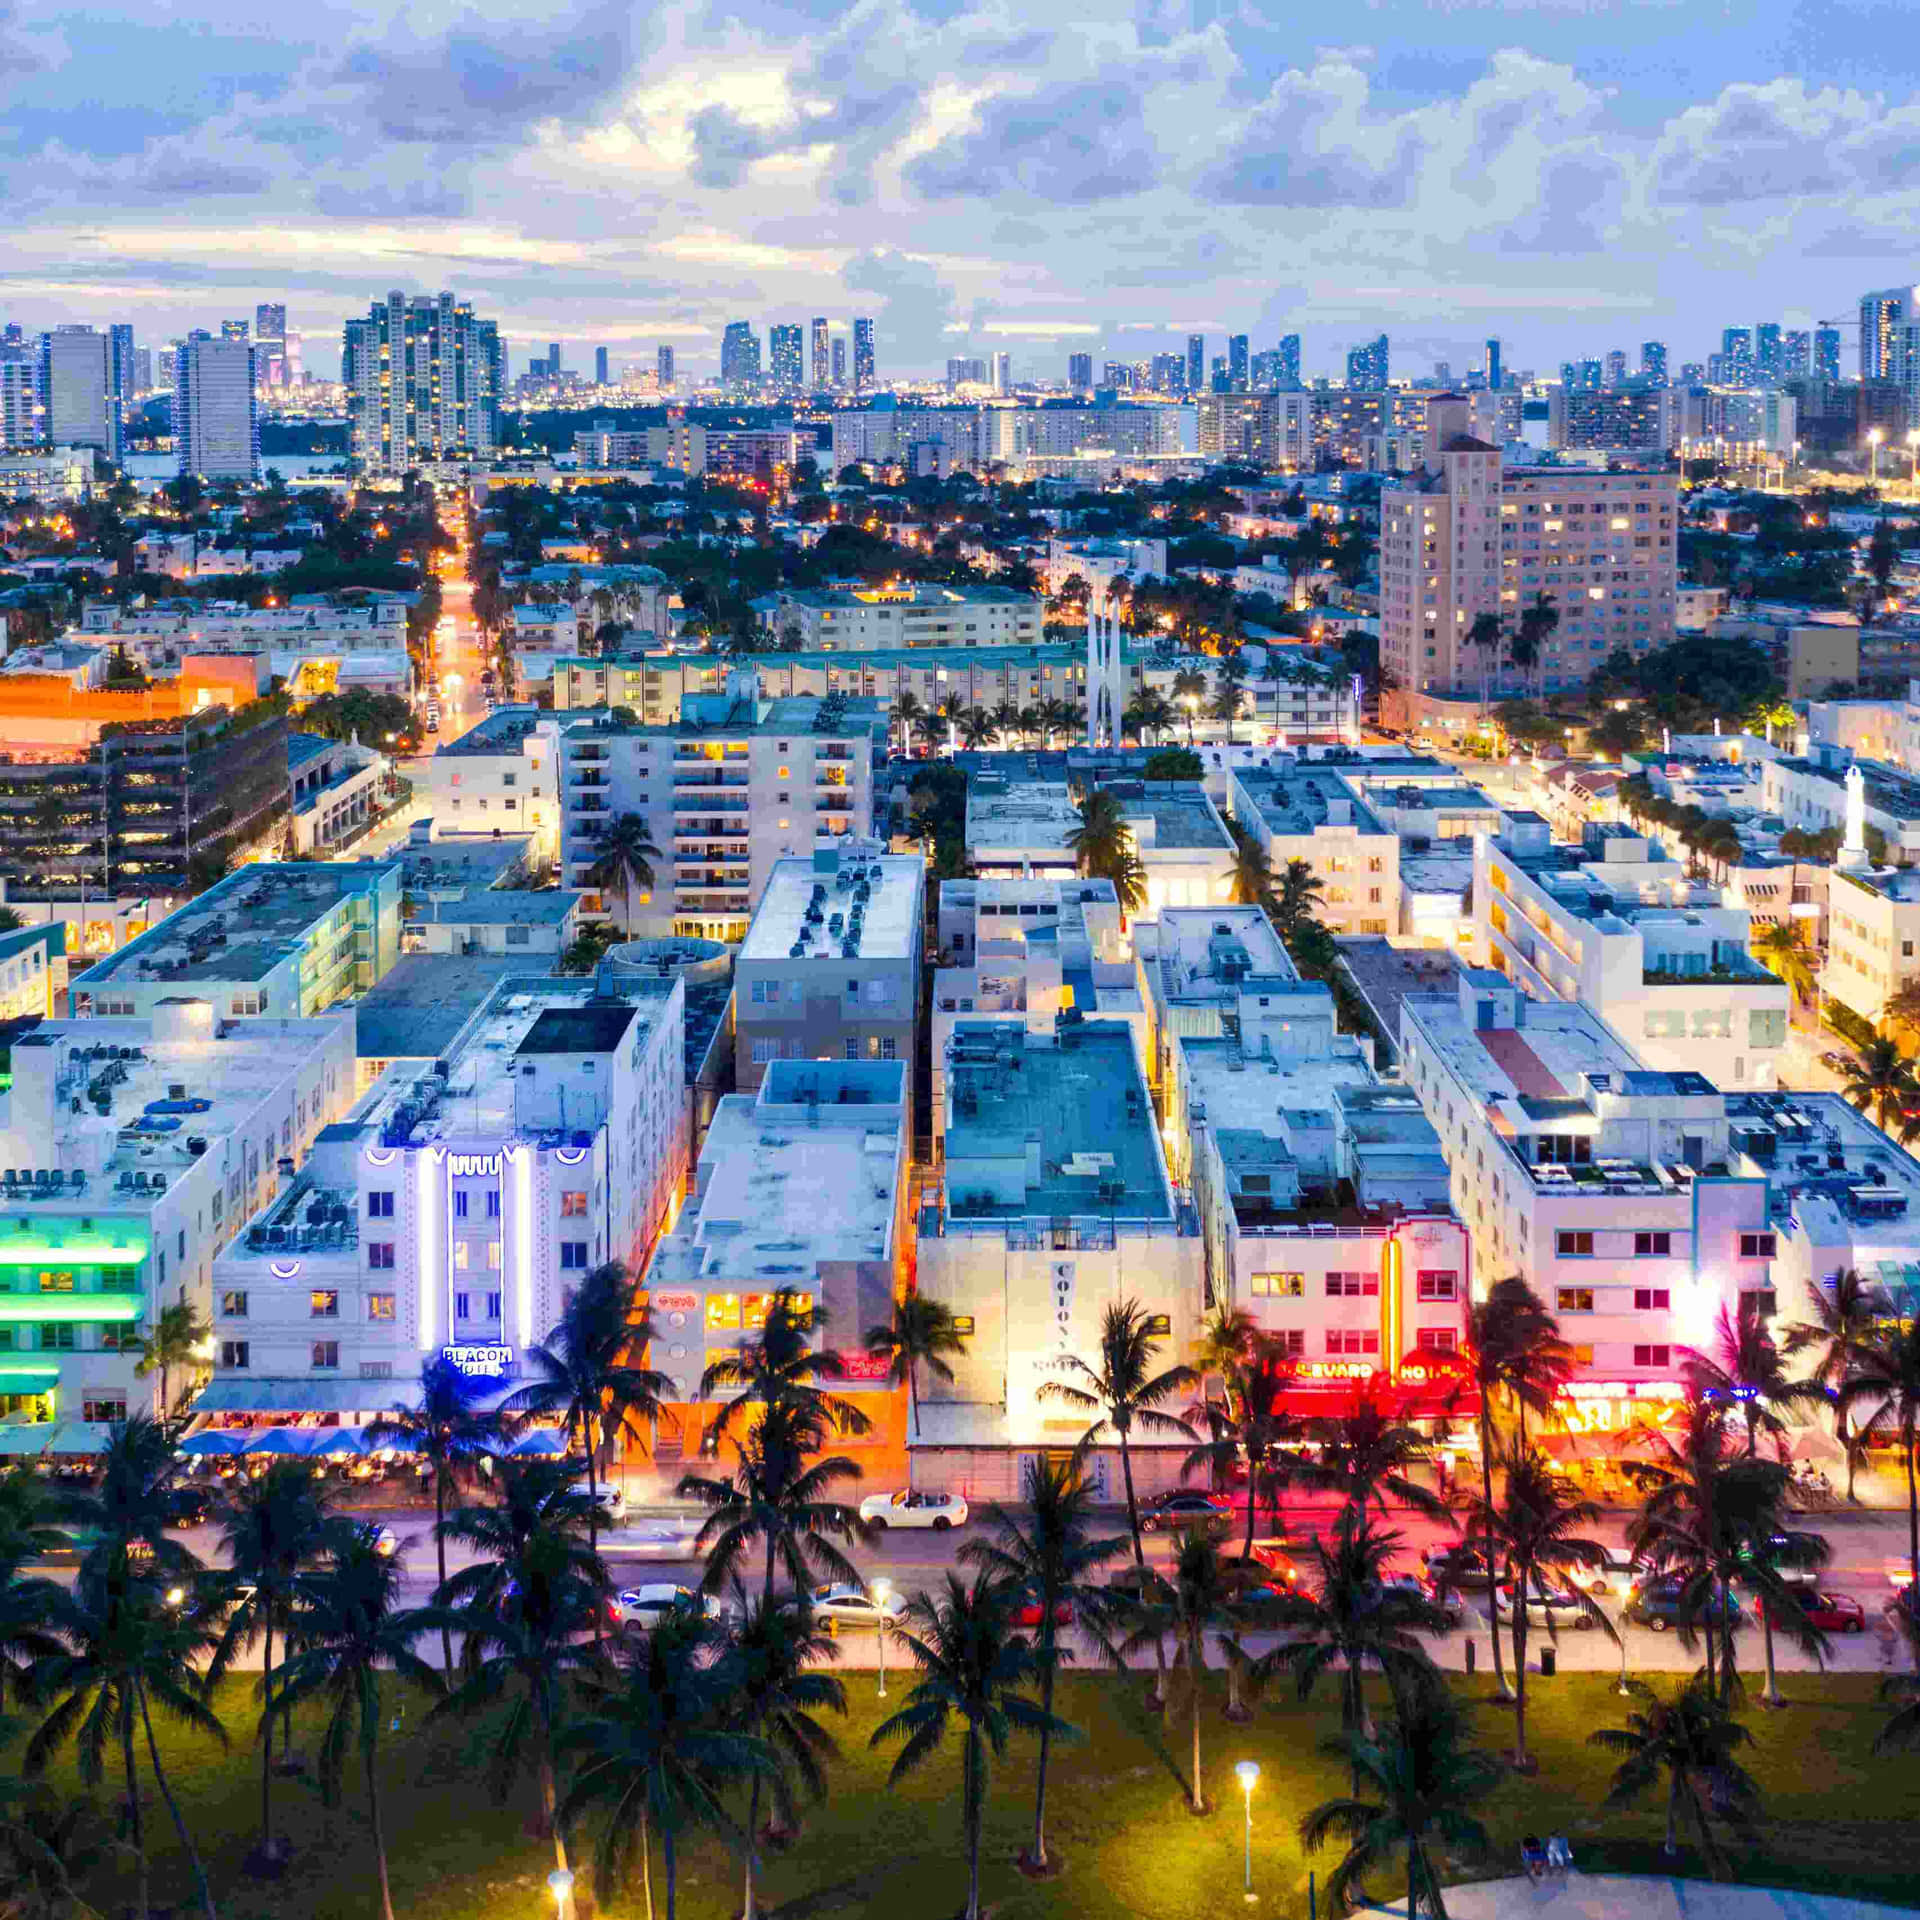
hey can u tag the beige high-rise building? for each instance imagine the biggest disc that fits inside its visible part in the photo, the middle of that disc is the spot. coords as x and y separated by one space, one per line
1471 535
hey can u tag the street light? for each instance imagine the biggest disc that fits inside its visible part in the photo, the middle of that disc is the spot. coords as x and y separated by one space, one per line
1248 1771
560 1885
882 1592
1874 438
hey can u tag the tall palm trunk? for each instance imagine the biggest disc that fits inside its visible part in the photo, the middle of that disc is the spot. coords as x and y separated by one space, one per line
266 1733
1672 1843
440 1558
1724 1625
646 1862
143 1902
1522 1581
593 1523
173 1808
1913 1509
1841 1432
972 1810
1052 1639
379 1837
913 1397
1140 1562
1196 1669
673 1871
753 1828
1486 1495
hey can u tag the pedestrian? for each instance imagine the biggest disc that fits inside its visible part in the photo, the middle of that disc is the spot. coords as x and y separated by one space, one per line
1889 1638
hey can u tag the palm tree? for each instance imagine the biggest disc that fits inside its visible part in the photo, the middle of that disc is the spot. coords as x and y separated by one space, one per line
1783 948
921 1334
1886 1385
1534 630
1536 1532
1101 837
50 1846
1006 720
351 1631
1229 696
655 1750
976 728
1744 1368
1252 883
781 1367
625 861
1902 1008
780 1494
178 1340
1845 1312
1367 1455
449 1435
1189 689
1049 1559
908 711
31 1605
972 1669
585 1374
1129 878
1254 1425
272 1531
1694 1741
1483 638
1152 713
1296 899
126 1515
780 1691
1881 1082
1421 1782
532 1590
126 1652
1513 1347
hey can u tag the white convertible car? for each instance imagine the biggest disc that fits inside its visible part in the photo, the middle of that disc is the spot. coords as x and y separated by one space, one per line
936 1510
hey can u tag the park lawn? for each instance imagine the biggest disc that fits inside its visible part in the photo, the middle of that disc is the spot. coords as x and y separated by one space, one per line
1839 1821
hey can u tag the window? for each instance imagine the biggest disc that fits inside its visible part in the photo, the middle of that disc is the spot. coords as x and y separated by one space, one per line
573 1254
1573 1299
1757 1246
380 1254
1291 1342
1573 1246
60 1282
234 1353
765 1050
1652 1356
326 1355
380 1306
1438 1340
1652 1246
1352 1286
108 1410
1279 1286
463 1306
493 1255
493 1306
1652 1299
380 1206
573 1203
460 1203
723 1312
1353 1340
493 1203
323 1305
1562 1150
233 1305
1437 1286
461 1255
57 1337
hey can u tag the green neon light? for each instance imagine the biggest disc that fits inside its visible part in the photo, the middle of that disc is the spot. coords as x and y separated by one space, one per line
13 1368
70 1306
73 1250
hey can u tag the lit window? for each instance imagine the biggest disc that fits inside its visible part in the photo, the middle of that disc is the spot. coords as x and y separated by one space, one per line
323 1305
573 1202
380 1306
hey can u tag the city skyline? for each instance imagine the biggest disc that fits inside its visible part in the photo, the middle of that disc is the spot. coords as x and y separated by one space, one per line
977 184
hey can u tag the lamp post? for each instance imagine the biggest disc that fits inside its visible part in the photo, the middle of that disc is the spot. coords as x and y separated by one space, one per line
882 1593
1247 1772
1873 442
560 1885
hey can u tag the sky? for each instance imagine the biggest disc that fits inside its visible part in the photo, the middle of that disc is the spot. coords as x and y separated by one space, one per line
975 174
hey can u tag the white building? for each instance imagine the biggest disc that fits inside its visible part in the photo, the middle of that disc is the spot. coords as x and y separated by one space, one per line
455 1212
861 619
216 421
134 1149
1100 561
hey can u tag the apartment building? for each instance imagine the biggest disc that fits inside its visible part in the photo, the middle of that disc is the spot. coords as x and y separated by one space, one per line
452 1213
1811 794
739 785
1873 924
1100 560
134 1149
862 619
1311 812
1619 927
33 971
1271 431
829 969
1473 536
286 940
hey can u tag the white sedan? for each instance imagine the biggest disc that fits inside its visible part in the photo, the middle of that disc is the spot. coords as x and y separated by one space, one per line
936 1510
839 1606
648 1606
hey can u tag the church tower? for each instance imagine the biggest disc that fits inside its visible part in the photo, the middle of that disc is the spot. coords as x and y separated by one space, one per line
1106 675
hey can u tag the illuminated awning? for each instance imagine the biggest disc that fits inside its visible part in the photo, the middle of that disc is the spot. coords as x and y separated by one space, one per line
65 1307
304 1396
78 1249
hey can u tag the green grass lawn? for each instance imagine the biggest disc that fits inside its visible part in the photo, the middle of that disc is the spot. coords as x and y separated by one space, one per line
1840 1821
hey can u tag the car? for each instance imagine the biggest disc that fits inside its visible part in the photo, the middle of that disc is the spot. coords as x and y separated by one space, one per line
1614 1572
1547 1605
382 1539
840 1605
1829 1612
612 1503
1277 1558
939 1511
1655 1603
1796 1559
1185 1507
1452 1609
1457 1563
1027 1614
648 1606
652 1540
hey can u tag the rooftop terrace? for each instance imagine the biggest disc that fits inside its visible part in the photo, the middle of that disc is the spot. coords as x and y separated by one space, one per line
848 901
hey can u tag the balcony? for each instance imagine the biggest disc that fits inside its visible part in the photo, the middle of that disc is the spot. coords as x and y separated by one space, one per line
698 783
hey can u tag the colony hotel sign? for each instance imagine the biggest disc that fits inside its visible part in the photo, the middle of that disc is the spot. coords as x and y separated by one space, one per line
479 1363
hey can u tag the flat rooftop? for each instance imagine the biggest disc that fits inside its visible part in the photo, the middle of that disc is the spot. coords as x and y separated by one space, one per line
598 1028
240 929
1305 798
1178 815
1250 1095
1543 1058
1015 816
419 1009
1213 953
503 731
1831 1167
804 897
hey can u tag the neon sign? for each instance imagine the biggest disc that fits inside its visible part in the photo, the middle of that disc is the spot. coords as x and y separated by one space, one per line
478 1362
283 1269
473 1165
569 1156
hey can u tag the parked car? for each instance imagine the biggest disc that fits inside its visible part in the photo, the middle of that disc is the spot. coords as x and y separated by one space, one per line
936 1510
382 1539
1615 1573
1796 1558
648 1606
1445 1598
1277 1558
838 1606
1458 1563
1547 1605
1830 1612
1186 1507
1655 1603
612 1502
1028 1613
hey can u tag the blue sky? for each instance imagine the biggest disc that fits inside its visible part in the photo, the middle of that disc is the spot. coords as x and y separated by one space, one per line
1108 177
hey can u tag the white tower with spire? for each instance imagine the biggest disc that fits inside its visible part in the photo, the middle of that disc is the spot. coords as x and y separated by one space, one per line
1853 851
1106 674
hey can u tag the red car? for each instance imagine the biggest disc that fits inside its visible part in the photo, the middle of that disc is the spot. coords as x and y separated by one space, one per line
1273 1555
1834 1612
1029 1614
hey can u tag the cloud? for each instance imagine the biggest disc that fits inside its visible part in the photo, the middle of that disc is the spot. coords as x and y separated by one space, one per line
437 199
1087 144
910 303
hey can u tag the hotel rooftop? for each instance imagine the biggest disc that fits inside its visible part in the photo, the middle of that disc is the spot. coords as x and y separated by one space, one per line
848 900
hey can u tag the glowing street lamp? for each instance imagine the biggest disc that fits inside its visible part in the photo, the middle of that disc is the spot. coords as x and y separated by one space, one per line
1874 437
1247 1772
882 1592
560 1885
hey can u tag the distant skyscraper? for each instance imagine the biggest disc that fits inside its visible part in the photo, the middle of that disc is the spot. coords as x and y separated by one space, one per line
143 369
77 391
966 370
1826 353
822 355
739 355
1239 370
863 371
786 358
1196 362
1614 372
19 400
1766 353
1736 367
1218 379
839 362
553 357
1080 372
663 368
1288 372
271 366
1653 361
1493 366
1884 317
600 370
1263 372
1692 373
423 379
1796 354
216 425
13 334
1003 373
1367 366
233 329
122 357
